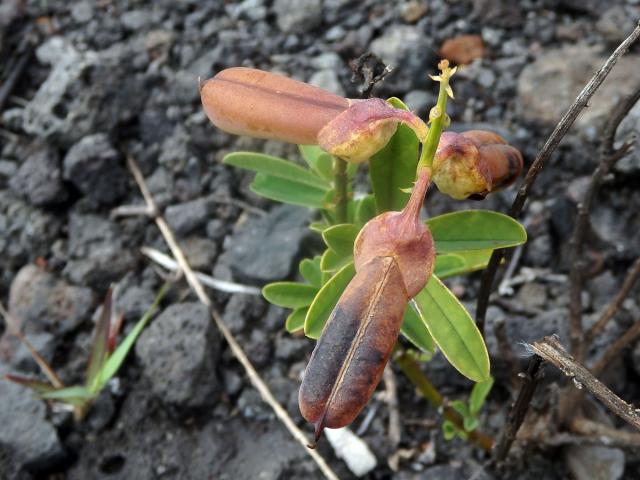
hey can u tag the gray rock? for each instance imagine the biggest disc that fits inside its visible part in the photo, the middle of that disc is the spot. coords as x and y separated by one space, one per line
539 251
178 352
593 462
298 16
630 163
45 344
532 296
616 23
136 20
25 232
25 429
240 309
39 116
327 61
82 12
328 80
39 178
265 249
97 254
549 85
133 301
39 301
186 217
93 165
200 252
396 43
420 101
290 348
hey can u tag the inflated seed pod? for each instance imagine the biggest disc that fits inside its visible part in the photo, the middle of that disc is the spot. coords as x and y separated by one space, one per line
472 164
394 255
246 101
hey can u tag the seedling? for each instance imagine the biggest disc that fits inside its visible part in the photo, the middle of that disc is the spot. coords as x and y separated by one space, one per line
468 411
380 257
104 362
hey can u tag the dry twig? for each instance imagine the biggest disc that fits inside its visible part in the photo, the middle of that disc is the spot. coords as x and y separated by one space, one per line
608 158
630 280
545 153
238 352
221 285
519 409
616 348
551 350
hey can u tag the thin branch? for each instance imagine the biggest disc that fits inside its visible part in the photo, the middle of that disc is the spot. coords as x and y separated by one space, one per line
545 153
412 370
605 434
341 184
630 280
551 350
221 285
616 348
236 349
519 409
608 158
12 326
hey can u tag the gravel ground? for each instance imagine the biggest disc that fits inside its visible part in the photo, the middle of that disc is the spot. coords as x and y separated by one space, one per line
121 75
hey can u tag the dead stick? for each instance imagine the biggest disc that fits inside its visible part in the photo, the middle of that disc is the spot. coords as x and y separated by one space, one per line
519 409
196 286
630 280
551 350
608 158
616 348
545 153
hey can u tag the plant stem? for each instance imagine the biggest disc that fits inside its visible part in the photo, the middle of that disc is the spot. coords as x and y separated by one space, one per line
341 182
430 145
411 369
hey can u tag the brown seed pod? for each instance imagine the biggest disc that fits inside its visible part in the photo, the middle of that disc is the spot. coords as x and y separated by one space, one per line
394 255
347 363
246 101
472 164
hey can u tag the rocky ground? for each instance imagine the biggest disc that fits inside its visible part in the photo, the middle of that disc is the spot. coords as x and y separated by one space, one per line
116 75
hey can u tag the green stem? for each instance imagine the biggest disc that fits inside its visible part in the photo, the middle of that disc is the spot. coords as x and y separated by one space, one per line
411 369
341 183
430 145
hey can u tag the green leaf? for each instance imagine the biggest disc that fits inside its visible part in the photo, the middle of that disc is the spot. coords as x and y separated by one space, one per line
470 423
310 271
275 167
326 300
414 329
365 210
290 294
453 330
479 394
475 230
394 167
114 362
319 226
38 386
450 264
460 407
99 350
288 191
449 430
295 321
73 395
318 160
332 261
340 238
